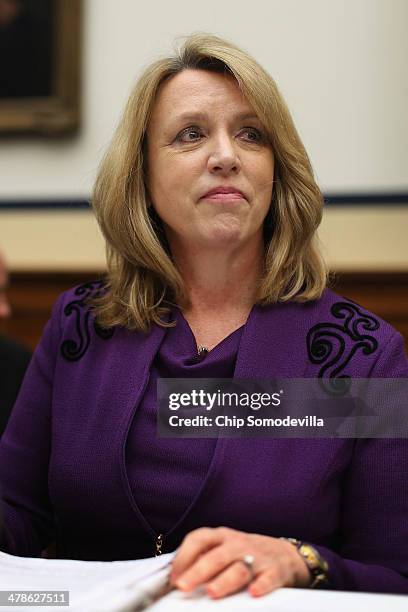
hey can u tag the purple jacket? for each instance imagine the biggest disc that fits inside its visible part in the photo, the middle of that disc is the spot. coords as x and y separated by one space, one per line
62 457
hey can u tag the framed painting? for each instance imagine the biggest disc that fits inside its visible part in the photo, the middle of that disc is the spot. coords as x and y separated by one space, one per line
40 66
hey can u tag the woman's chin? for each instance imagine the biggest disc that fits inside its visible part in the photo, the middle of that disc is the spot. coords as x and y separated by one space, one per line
224 231
223 237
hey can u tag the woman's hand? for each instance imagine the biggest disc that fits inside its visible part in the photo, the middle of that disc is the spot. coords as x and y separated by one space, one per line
215 556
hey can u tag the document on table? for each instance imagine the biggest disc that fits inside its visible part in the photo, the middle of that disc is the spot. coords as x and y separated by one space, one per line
94 586
133 586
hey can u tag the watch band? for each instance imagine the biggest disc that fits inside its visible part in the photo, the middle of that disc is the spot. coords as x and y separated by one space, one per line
317 565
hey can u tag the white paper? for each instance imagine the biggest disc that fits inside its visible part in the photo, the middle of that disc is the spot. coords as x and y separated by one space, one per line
92 585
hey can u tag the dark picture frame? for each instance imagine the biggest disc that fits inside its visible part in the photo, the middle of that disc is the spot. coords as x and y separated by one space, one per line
44 97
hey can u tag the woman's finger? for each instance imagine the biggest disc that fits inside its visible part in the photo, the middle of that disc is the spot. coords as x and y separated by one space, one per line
208 565
231 580
278 575
194 544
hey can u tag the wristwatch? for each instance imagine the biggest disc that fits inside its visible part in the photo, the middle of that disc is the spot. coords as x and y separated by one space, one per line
318 566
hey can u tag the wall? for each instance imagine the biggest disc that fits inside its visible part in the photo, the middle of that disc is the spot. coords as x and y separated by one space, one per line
340 65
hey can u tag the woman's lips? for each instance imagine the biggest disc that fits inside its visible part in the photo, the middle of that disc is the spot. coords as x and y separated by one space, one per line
224 197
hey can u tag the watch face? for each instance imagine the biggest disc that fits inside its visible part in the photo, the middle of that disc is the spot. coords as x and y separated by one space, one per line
310 556
316 564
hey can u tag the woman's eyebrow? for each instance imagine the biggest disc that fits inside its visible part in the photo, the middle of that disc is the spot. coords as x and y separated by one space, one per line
194 116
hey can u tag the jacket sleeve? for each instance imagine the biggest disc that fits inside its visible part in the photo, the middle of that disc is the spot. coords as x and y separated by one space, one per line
373 555
28 522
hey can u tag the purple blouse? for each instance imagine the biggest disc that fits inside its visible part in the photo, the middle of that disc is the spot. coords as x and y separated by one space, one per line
173 469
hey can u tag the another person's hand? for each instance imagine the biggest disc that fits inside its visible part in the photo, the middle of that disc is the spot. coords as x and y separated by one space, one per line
216 557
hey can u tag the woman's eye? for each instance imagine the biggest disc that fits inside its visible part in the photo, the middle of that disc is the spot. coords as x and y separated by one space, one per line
189 134
193 134
254 135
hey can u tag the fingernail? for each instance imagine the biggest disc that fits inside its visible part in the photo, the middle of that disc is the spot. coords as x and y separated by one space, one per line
254 592
212 591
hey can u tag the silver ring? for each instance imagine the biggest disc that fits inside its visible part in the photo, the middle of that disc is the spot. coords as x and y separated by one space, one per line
248 561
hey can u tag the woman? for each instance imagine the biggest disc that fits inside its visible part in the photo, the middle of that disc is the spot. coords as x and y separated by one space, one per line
209 208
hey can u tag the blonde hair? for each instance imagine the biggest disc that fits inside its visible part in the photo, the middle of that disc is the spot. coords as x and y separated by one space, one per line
142 280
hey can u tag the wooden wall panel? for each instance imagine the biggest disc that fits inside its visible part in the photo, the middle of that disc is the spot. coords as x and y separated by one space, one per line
384 294
32 295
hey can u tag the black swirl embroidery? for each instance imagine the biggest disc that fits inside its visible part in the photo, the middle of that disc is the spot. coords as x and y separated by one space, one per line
74 349
333 345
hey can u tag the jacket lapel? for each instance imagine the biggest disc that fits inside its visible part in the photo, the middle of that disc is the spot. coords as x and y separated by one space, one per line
273 342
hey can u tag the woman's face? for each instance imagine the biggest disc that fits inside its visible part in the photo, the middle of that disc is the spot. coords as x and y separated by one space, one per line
204 135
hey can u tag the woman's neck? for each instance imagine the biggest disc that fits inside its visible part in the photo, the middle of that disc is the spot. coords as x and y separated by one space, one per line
218 282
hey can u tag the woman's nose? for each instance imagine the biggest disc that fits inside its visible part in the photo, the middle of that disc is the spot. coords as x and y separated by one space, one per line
223 157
